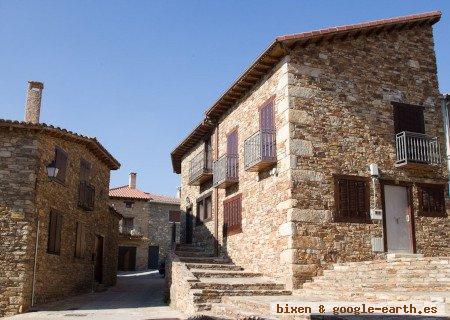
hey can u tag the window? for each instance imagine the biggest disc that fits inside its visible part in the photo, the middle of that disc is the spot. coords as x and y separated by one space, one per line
86 192
208 154
54 233
128 204
432 200
204 209
232 215
61 164
80 241
174 216
85 170
408 118
351 195
128 223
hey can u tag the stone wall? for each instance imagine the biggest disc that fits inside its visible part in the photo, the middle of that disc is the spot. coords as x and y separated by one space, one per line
139 213
265 197
341 117
18 164
160 229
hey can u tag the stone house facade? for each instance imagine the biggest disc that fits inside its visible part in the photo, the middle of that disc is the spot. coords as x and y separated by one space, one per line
149 228
56 230
326 149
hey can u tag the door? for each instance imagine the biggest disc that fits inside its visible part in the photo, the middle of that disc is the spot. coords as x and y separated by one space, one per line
267 125
398 230
153 257
98 267
127 258
174 233
189 225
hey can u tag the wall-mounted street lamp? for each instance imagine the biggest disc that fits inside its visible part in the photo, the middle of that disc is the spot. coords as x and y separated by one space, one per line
52 170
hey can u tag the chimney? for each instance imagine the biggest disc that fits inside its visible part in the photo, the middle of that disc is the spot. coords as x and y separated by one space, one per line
178 196
33 104
132 181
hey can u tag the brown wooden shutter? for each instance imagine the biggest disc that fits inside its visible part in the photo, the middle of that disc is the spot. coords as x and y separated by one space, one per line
58 233
52 232
78 240
408 118
232 143
232 209
61 164
266 117
85 170
432 200
352 199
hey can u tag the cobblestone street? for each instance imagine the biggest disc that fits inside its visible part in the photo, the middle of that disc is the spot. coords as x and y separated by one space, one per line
137 296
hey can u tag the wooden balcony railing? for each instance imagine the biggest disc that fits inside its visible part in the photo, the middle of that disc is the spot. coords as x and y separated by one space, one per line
415 149
260 151
225 171
200 168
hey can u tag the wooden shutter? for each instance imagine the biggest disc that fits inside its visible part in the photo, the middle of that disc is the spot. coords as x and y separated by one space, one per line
232 142
408 118
432 200
61 164
232 210
352 199
266 117
85 170
80 240
54 233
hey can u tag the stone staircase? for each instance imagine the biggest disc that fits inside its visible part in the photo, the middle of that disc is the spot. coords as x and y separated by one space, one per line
399 277
213 278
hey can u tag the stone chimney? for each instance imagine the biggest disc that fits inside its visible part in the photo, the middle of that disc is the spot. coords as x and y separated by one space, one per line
178 196
33 104
132 180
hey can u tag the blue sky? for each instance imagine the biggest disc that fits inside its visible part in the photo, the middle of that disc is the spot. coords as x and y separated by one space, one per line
138 75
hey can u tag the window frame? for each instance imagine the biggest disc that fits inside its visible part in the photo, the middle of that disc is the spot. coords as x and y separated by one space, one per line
397 106
337 216
58 178
422 212
171 213
200 216
128 202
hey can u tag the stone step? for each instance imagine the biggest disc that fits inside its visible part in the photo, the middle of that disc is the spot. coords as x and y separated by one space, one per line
203 273
193 254
215 293
229 311
237 285
214 266
438 271
209 260
189 248
374 286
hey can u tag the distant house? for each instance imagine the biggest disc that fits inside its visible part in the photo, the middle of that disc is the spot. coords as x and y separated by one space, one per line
328 148
58 234
149 228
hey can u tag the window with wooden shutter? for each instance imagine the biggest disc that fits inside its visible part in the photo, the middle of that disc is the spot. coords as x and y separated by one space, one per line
432 200
199 213
174 216
54 233
61 164
408 118
232 215
80 241
351 199
207 208
85 170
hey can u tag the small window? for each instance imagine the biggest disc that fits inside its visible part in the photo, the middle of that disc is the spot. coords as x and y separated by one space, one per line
128 204
128 223
204 209
174 216
199 213
85 170
432 200
61 164
351 199
232 215
80 241
54 233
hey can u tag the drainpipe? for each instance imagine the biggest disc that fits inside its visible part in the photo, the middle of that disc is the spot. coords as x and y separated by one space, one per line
35 263
446 116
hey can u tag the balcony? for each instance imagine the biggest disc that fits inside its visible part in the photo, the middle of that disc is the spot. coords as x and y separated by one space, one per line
130 231
225 171
416 150
260 151
200 168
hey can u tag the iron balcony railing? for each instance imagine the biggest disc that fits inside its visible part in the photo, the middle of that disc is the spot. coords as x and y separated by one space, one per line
200 167
130 231
225 171
260 150
416 148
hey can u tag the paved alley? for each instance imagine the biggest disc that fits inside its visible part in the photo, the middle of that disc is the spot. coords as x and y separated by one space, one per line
137 296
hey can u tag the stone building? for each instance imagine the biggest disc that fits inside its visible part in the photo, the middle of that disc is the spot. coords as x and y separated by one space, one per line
328 148
149 228
58 234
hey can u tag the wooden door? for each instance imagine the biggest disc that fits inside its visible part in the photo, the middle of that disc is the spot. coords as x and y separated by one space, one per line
98 267
398 230
127 259
153 257
189 225
232 153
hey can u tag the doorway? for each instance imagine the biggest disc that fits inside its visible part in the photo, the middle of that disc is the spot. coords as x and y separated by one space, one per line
127 259
98 264
153 257
398 220
189 225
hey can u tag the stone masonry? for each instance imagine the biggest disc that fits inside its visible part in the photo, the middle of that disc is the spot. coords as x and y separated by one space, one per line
333 113
28 196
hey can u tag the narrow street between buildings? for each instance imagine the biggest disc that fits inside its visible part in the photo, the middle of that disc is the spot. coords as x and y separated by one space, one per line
137 296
